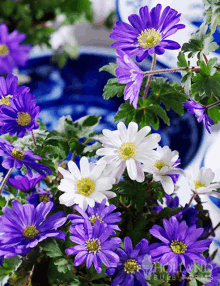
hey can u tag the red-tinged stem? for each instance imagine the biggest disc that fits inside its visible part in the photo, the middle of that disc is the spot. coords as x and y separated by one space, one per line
193 69
150 76
5 179
33 138
212 105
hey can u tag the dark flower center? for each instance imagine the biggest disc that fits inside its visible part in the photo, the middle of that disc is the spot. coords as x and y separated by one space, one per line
17 154
85 186
94 218
4 50
131 265
30 231
5 100
178 247
23 118
44 198
93 245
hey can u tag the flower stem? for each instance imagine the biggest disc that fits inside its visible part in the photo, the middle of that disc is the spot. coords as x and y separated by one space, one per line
212 105
193 69
205 58
5 179
33 138
150 76
213 230
191 199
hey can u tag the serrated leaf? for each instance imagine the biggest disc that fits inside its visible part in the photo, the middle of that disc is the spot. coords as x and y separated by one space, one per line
52 248
10 265
112 88
192 282
111 67
63 265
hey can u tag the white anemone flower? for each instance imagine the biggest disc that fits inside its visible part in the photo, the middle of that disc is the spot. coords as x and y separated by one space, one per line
163 167
129 148
85 186
201 181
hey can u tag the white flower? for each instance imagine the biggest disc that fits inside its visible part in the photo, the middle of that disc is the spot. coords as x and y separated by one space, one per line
164 166
129 148
201 181
85 186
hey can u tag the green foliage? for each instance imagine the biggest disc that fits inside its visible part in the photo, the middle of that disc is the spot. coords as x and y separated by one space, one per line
186 75
9 267
159 277
206 82
149 110
111 67
200 43
212 11
52 248
199 275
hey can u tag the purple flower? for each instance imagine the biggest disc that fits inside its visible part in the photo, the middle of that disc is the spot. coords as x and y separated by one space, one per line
25 183
147 33
9 88
156 209
39 197
129 73
98 212
189 215
172 203
20 116
24 226
215 277
12 54
200 111
178 245
17 158
94 245
130 269
175 177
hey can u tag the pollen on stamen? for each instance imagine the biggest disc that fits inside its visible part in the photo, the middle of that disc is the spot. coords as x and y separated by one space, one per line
198 185
23 118
149 38
127 150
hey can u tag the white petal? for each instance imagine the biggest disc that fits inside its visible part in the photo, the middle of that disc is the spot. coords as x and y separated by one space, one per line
141 134
84 167
123 133
104 184
98 197
113 137
140 172
96 172
131 168
132 131
64 172
74 170
150 142
107 151
66 199
109 194
167 184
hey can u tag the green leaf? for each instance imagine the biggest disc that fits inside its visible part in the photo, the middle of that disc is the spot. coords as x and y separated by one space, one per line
52 248
193 282
112 88
160 112
9 267
186 75
63 265
94 275
111 67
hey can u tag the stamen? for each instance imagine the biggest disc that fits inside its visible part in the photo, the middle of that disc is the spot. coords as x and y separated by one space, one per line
160 164
85 186
4 50
131 265
198 185
30 231
44 198
23 118
17 154
5 100
178 246
93 245
127 150
149 38
94 218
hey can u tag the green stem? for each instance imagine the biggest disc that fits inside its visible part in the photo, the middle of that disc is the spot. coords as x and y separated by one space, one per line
193 69
5 179
212 105
150 76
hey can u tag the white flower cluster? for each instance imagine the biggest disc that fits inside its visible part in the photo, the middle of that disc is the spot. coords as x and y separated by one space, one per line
131 149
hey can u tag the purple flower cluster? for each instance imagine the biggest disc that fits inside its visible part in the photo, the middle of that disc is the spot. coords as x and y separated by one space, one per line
92 232
12 54
24 226
25 183
179 244
39 197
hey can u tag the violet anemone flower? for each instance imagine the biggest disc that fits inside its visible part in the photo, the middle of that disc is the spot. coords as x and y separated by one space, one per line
172 203
147 33
98 212
215 276
12 54
39 197
200 111
25 183
129 73
179 244
17 158
20 116
94 245
24 226
189 215
130 270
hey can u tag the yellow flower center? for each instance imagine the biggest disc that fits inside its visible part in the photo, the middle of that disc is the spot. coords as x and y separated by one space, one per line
5 100
93 245
94 218
131 265
160 164
178 247
149 38
23 118
198 185
85 186
44 198
127 150
30 231
17 154
4 50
